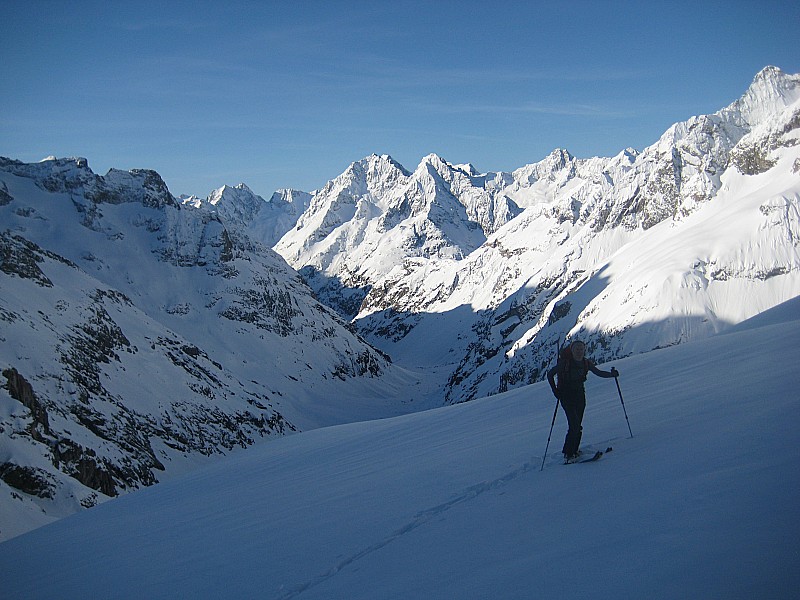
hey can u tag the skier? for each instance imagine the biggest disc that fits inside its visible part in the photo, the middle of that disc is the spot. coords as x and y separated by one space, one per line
572 369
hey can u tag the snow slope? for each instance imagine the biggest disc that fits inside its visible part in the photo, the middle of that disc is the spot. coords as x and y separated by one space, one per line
451 503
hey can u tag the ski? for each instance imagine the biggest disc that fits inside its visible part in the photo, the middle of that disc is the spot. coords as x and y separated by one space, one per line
592 458
596 456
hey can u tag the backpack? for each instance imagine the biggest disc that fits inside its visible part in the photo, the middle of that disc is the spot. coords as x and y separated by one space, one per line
566 363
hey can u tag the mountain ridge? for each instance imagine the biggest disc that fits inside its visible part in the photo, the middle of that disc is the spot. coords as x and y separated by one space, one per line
140 336
143 333
531 271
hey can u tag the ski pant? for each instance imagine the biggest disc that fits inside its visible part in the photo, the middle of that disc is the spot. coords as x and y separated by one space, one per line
574 404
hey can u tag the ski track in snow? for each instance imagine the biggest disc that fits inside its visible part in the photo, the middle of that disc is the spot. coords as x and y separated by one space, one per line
424 516
420 519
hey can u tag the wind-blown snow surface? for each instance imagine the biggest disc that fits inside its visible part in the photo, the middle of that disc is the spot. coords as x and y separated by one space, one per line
451 503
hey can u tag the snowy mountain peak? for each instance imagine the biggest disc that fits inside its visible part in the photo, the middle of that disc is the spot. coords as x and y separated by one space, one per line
558 159
434 160
239 198
243 210
73 176
446 169
776 81
468 169
771 91
434 166
373 174
290 196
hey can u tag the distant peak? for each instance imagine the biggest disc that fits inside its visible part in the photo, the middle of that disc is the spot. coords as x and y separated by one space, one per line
561 154
376 158
290 196
240 187
558 159
385 159
372 167
775 79
768 72
78 161
435 162
467 168
433 158
770 92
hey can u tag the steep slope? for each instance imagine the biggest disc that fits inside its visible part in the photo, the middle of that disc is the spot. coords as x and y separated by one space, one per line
451 503
632 253
138 336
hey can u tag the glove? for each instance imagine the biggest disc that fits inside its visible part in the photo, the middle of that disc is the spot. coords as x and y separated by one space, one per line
614 372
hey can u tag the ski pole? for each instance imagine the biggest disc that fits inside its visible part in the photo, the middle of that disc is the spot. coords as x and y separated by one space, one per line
616 380
555 412
546 448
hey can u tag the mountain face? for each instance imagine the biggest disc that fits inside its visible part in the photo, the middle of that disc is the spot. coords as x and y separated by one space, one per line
376 216
140 335
635 252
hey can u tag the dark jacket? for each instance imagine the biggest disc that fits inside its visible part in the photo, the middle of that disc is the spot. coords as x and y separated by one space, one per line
571 375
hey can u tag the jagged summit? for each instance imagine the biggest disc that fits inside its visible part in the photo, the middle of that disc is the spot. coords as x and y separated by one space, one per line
264 220
238 201
297 198
771 77
73 175
372 166
468 169
771 91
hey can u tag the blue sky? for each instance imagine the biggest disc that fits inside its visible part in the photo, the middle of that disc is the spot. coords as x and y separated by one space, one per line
288 94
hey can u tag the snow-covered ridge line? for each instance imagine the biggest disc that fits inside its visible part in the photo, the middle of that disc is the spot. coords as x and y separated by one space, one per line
535 261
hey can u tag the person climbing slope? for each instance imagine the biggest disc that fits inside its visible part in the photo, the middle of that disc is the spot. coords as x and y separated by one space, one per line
571 370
